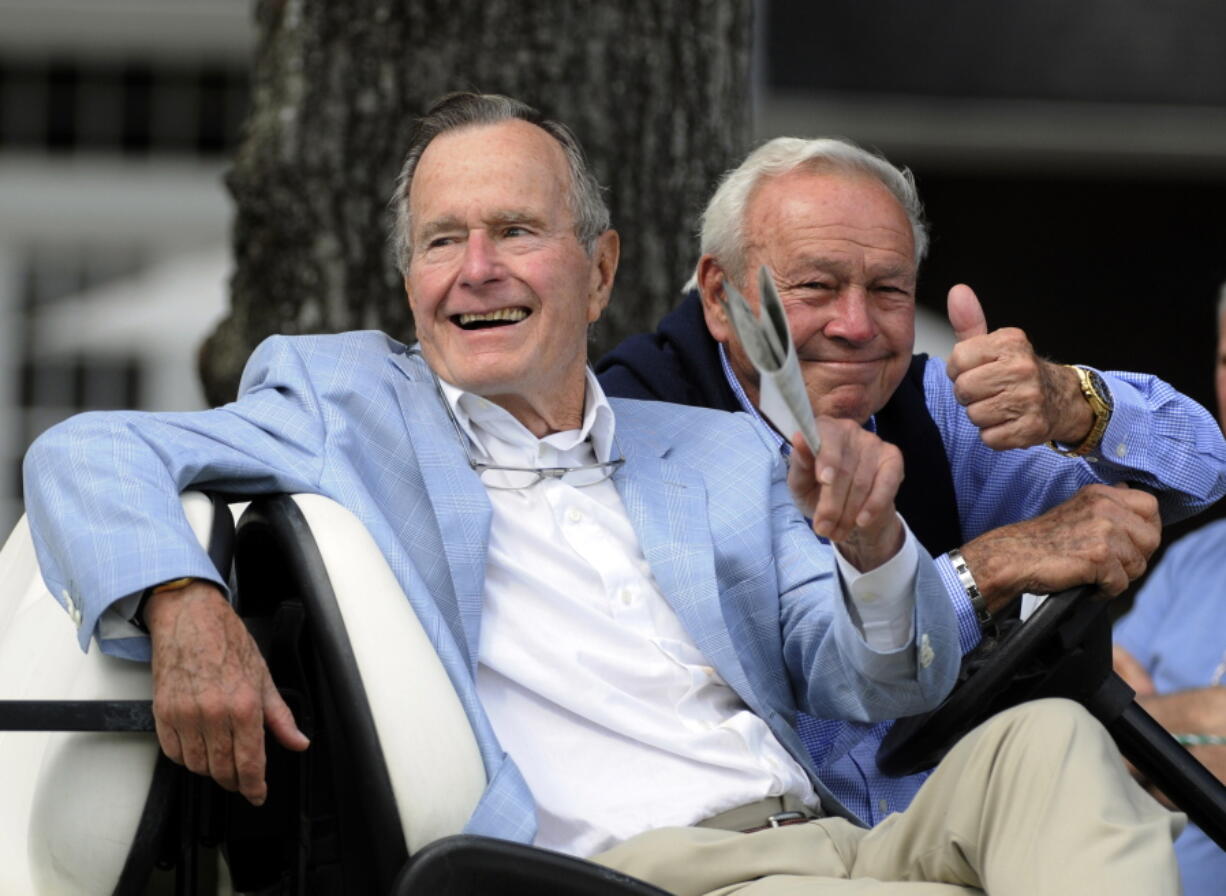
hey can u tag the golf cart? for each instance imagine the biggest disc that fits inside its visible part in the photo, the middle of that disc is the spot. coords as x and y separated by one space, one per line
378 804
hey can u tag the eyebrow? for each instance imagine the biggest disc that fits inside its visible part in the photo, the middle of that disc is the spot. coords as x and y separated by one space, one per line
515 216
501 217
839 266
896 270
440 225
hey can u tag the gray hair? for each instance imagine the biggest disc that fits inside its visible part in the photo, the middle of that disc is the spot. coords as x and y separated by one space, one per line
461 110
723 220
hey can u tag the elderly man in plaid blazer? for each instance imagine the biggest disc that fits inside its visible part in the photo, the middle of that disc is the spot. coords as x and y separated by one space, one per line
626 595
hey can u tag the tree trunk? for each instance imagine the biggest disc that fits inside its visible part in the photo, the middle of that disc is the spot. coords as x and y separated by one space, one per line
657 91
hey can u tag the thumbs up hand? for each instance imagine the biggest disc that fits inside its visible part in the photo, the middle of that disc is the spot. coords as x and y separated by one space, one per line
1015 397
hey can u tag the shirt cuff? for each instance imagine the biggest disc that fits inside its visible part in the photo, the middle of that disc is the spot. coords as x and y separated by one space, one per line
118 621
1125 440
969 631
884 597
125 608
1128 427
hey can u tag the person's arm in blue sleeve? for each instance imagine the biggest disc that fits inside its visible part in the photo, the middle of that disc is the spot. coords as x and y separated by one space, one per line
102 493
885 646
1036 519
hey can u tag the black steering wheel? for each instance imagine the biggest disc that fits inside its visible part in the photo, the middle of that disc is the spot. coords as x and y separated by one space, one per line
1048 654
1063 649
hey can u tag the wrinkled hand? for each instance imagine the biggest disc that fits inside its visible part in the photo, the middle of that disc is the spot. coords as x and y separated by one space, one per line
1016 398
848 490
212 692
1103 535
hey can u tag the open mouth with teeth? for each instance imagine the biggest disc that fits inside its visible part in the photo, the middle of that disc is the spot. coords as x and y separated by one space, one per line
503 317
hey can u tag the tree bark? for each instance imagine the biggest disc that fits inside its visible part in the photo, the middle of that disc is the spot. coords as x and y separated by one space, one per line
656 90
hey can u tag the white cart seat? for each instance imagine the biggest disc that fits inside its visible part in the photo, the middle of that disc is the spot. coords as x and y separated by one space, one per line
432 758
69 802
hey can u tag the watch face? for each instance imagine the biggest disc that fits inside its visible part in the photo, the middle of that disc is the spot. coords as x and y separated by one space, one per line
1101 390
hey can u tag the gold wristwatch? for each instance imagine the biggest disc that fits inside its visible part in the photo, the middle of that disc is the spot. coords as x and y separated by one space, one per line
1098 396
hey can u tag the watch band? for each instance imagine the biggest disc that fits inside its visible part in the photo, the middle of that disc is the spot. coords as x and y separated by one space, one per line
1098 397
138 618
978 602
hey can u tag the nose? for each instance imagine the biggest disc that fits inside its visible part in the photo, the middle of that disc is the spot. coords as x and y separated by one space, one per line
480 264
853 319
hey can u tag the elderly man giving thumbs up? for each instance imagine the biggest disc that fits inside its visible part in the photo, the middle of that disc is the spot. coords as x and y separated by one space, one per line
1017 468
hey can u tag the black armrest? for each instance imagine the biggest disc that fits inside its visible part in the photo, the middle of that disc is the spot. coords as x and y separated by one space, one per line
466 864
76 715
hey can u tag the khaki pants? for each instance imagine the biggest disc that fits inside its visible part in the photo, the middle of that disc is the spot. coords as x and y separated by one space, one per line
1034 802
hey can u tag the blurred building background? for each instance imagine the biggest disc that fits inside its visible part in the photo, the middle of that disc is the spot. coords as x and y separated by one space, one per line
1072 158
116 119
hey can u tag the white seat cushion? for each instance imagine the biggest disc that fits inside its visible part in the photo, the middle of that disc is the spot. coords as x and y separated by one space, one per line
71 801
432 757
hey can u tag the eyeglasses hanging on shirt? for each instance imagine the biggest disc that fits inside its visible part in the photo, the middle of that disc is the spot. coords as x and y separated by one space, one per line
502 477
495 476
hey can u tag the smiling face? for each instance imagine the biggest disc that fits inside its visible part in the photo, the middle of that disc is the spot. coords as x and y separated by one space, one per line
843 257
501 290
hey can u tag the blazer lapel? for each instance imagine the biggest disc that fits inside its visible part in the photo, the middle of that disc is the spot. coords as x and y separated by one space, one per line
667 505
456 496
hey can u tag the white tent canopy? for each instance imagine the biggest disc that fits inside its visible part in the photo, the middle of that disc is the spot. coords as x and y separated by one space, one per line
160 316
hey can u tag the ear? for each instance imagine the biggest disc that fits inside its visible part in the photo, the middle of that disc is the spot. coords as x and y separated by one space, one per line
408 293
711 289
604 269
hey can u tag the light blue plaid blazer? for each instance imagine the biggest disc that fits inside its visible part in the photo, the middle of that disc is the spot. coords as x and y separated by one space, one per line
356 417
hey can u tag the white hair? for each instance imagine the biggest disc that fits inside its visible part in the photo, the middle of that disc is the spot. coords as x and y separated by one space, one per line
723 220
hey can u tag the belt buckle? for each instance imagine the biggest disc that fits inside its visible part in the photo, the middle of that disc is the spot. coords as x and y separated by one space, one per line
782 818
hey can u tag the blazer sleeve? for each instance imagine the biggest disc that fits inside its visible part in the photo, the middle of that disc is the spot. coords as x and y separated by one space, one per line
102 489
835 673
